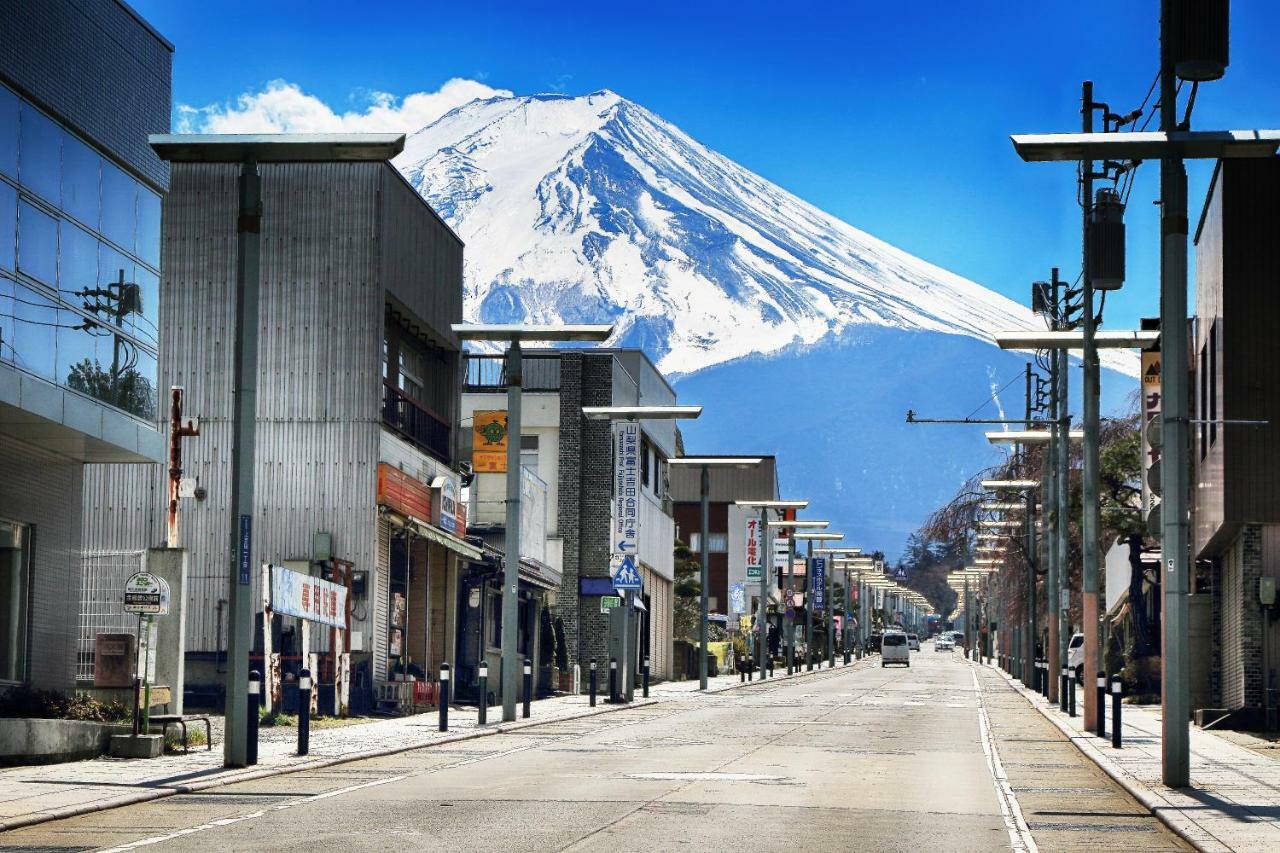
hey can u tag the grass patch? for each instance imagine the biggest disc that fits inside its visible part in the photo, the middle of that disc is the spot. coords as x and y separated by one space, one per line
281 720
173 738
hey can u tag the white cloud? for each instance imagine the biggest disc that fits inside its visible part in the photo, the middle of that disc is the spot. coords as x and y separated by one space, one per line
282 107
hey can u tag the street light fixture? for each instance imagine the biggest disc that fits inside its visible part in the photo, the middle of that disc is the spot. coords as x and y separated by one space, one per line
1113 339
799 525
514 335
706 463
248 151
1010 485
633 414
1027 436
766 569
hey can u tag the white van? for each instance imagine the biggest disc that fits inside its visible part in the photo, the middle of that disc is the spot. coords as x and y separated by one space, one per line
894 649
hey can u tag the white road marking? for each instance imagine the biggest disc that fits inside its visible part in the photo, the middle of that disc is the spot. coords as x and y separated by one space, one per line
1019 833
706 777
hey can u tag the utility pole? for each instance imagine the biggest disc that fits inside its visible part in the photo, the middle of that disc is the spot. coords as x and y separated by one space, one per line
762 610
1174 461
808 605
1091 613
1062 482
1058 454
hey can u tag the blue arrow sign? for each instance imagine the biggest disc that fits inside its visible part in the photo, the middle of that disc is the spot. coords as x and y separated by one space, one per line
625 575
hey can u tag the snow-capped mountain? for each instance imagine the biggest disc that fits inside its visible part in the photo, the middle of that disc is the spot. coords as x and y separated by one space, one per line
800 334
592 208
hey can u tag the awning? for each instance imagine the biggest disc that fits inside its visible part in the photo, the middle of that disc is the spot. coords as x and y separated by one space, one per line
461 547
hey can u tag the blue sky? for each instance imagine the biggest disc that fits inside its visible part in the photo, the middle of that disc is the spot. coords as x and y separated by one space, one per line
893 116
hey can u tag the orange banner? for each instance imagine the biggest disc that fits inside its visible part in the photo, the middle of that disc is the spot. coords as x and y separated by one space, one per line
489 442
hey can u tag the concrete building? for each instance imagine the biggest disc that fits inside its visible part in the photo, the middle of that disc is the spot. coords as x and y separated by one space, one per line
81 86
727 526
355 462
568 465
1236 493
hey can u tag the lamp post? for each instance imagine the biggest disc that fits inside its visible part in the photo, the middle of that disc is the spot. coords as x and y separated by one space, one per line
706 463
633 415
832 554
809 539
514 336
766 568
248 151
789 589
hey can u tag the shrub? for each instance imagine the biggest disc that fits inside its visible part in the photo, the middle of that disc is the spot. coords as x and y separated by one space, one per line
25 701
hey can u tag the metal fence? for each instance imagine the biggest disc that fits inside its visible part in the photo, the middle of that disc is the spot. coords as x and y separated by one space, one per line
102 582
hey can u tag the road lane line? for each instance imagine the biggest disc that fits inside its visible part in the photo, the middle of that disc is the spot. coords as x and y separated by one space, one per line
1019 833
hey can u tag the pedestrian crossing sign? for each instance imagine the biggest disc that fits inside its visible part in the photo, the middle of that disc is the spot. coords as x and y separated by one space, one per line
624 573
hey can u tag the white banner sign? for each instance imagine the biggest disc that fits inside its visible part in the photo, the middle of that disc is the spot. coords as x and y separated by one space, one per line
296 594
781 553
625 538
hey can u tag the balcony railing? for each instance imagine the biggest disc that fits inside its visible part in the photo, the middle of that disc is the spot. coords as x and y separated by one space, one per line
414 422
487 373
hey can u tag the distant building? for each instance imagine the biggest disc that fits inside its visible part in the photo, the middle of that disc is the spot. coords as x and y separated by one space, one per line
1236 491
81 86
726 525
568 464
357 413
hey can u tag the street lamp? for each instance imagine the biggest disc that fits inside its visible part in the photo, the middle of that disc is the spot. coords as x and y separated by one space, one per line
1010 485
631 415
1114 339
1028 436
248 151
766 568
840 559
514 335
809 597
706 463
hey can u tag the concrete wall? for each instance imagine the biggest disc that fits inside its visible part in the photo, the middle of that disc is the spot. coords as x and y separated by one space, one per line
52 741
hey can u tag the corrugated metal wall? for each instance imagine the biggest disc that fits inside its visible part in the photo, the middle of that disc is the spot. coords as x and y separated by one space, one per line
321 320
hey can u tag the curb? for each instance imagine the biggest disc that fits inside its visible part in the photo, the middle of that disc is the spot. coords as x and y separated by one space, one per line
160 793
1164 811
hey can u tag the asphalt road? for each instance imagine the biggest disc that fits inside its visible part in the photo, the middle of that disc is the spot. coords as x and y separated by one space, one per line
937 757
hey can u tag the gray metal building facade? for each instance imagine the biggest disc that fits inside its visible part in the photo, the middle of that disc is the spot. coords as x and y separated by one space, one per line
353 260
82 84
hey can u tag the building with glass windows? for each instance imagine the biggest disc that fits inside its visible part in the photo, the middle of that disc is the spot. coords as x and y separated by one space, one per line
81 87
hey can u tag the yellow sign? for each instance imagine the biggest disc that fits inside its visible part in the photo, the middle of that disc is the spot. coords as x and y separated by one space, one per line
489 442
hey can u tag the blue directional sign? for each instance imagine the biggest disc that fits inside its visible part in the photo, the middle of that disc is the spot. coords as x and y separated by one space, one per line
625 574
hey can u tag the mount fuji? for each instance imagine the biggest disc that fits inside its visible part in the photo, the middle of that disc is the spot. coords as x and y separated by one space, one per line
800 334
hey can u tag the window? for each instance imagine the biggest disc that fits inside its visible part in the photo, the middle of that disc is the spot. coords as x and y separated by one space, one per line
81 176
15 574
644 463
35 323
529 453
78 261
1213 382
37 243
1203 408
119 206
411 370
717 543
8 133
493 625
40 155
148 240
8 224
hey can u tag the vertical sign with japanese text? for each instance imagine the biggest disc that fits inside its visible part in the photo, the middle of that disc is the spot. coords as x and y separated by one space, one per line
819 583
755 560
625 535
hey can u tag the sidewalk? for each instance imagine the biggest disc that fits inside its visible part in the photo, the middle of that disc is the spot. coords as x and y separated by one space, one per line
30 795
1233 803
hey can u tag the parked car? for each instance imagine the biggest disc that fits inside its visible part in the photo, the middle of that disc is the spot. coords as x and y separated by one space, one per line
1075 657
913 642
894 649
943 644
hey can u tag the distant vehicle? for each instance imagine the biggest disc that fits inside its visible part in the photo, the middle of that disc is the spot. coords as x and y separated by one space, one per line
913 642
943 643
1075 657
873 644
894 649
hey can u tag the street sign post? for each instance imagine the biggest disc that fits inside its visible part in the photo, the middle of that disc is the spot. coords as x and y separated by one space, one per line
623 573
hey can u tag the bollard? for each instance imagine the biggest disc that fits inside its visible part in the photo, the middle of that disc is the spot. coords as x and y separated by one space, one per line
1063 686
644 678
1102 704
483 704
591 682
1071 694
751 669
613 681
137 699
528 686
444 697
304 711
251 721
742 672
1117 693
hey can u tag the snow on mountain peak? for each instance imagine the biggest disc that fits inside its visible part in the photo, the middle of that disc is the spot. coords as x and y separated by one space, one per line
592 209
